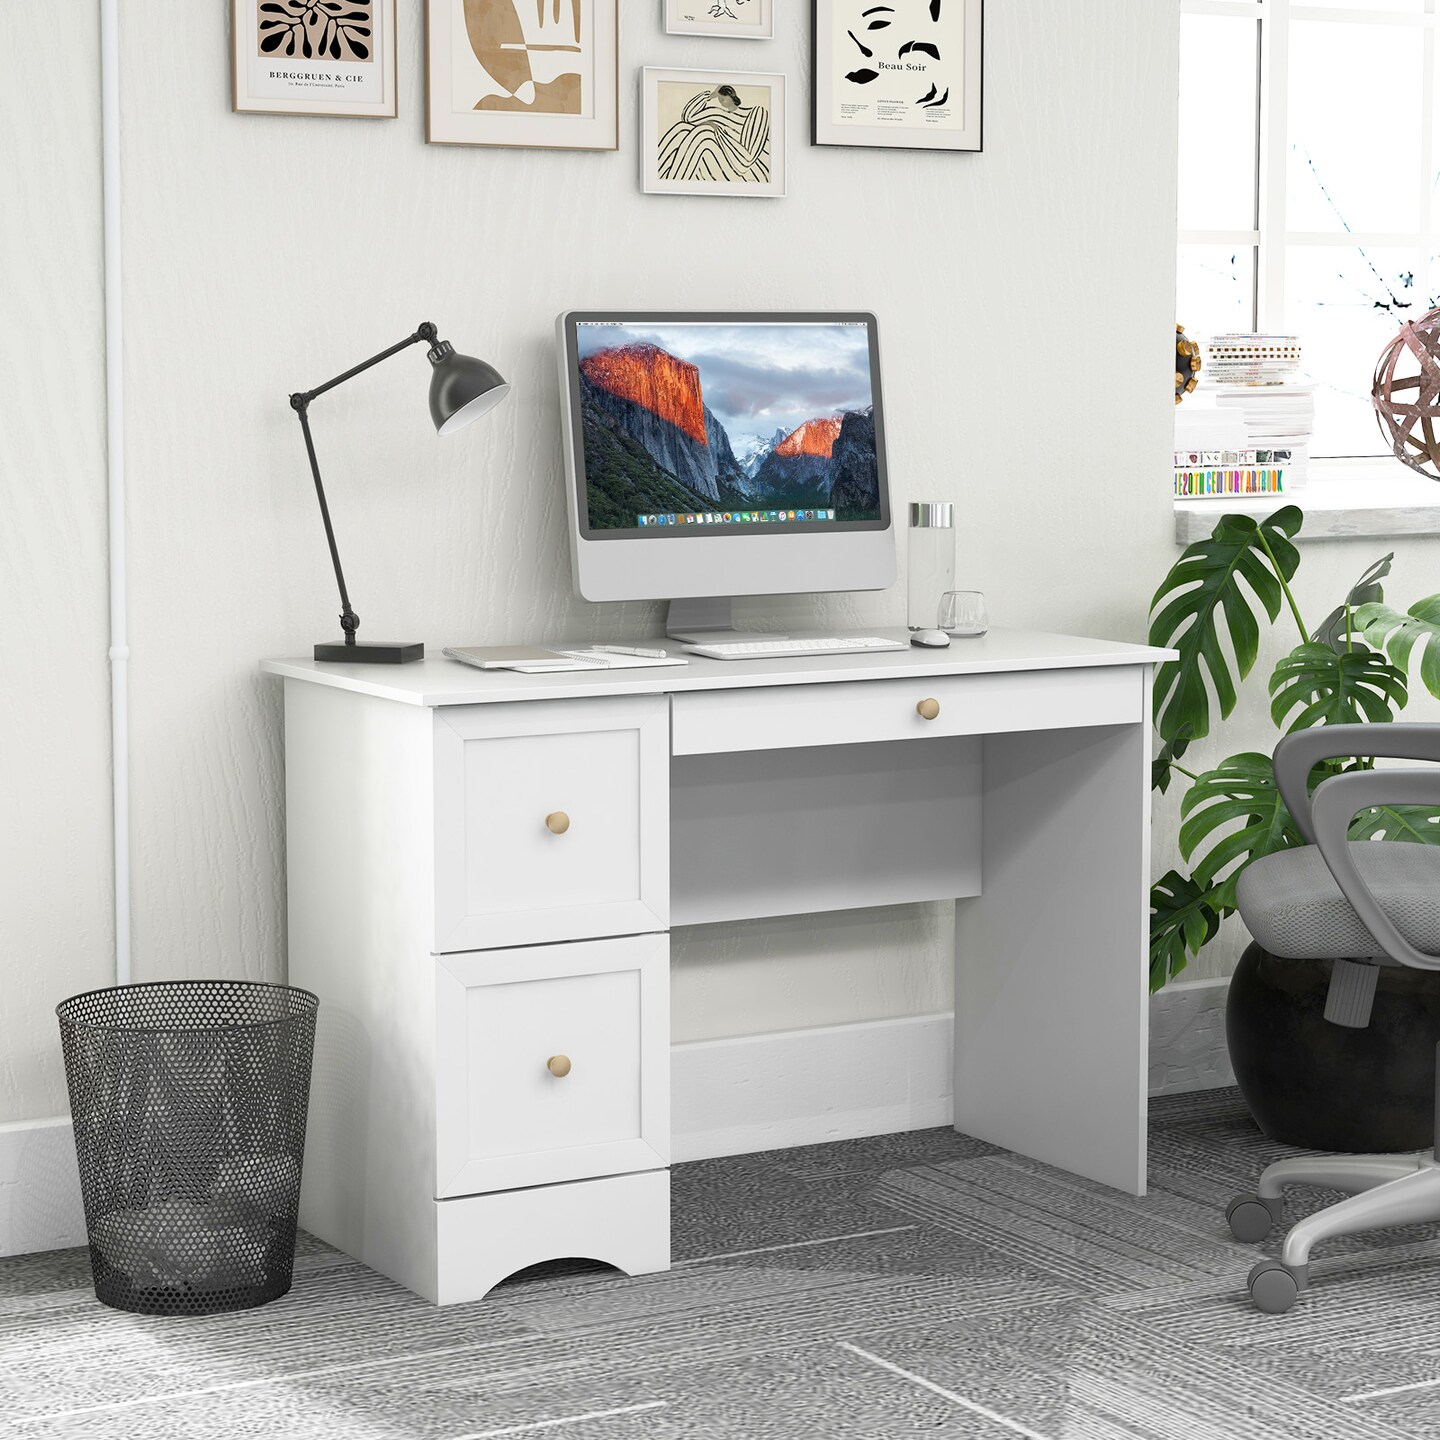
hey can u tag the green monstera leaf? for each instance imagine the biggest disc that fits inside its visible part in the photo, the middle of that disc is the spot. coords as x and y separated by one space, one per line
1330 687
1238 798
1182 922
1171 753
1398 635
1338 629
1209 590
1416 823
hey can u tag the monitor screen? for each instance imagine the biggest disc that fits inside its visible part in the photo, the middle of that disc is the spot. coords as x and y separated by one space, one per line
726 425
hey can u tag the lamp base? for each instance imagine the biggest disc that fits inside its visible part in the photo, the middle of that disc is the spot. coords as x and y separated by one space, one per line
372 652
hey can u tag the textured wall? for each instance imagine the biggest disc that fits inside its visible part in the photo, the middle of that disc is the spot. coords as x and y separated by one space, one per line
1025 296
55 890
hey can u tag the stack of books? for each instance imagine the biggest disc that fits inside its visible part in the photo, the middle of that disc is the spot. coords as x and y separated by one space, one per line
1215 455
1279 418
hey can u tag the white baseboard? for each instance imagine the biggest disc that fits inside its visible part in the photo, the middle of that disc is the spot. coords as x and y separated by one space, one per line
39 1187
1187 1038
802 1087
728 1097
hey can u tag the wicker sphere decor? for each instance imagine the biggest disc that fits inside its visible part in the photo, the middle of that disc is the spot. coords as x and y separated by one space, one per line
1187 364
1408 406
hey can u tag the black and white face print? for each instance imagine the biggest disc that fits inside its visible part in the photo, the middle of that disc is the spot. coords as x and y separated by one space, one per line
899 62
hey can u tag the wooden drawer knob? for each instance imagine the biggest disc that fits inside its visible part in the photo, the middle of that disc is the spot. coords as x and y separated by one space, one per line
558 1066
558 823
928 709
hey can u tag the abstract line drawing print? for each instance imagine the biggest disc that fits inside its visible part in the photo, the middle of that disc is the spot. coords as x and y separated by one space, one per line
317 29
717 138
728 9
531 50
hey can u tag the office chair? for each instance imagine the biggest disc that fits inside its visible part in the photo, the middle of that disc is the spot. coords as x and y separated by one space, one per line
1362 905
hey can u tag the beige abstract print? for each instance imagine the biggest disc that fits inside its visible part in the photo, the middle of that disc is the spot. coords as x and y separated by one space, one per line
533 52
719 135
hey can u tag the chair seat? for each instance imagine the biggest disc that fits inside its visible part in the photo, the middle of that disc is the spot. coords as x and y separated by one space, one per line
1293 907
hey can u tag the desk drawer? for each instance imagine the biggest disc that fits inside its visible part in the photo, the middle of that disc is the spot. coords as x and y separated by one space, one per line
551 1064
857 712
551 822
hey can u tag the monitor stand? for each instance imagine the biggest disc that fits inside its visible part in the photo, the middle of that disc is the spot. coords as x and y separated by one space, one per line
708 618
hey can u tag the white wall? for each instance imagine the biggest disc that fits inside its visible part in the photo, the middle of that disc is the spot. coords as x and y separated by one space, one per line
1026 297
55 892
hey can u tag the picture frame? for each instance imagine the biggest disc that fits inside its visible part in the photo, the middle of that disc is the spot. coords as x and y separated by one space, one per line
336 59
700 133
910 80
723 19
516 74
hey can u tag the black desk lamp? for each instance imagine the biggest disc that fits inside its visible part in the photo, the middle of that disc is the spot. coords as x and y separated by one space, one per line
461 390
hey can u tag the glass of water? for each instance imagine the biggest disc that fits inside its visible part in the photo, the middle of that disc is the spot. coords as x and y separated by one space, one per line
962 614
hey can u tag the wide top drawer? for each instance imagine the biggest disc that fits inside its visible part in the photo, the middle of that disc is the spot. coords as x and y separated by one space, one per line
855 712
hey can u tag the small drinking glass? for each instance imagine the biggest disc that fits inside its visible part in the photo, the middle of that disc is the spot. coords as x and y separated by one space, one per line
962 614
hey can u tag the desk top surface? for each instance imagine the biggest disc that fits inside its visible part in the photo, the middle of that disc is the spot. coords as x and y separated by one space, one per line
438 681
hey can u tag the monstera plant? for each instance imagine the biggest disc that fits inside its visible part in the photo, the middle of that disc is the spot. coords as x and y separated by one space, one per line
1356 665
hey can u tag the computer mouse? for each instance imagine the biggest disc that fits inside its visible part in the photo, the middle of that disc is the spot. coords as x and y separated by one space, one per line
934 639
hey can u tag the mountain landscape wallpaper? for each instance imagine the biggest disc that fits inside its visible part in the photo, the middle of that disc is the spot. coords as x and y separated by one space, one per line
697 418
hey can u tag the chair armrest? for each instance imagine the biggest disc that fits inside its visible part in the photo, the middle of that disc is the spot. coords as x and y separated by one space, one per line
1298 754
1336 803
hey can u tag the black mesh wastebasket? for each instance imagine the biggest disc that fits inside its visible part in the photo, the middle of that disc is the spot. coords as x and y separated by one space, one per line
189 1104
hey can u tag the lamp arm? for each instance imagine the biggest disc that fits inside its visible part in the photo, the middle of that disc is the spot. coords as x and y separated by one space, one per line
300 403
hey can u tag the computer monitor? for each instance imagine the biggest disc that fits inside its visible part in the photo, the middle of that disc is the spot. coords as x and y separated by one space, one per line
715 455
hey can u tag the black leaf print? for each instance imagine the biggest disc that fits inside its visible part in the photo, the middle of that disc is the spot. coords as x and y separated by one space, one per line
878 25
929 95
330 29
935 11
862 77
920 47
864 50
941 100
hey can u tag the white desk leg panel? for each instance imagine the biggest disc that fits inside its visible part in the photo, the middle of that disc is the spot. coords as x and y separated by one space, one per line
1051 959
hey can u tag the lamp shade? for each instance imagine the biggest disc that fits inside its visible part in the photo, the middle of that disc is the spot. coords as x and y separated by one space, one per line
462 389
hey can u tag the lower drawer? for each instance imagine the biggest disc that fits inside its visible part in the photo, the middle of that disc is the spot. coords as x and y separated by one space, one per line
551 1063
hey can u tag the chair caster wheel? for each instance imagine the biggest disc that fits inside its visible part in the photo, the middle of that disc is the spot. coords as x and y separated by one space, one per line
1251 1218
1273 1288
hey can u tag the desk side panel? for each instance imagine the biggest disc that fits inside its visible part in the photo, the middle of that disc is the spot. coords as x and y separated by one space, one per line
358 782
1052 959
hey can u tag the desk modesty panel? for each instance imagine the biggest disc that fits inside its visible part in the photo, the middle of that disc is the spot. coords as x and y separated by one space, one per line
484 868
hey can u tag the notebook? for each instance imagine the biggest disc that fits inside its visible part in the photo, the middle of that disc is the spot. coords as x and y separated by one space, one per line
532 660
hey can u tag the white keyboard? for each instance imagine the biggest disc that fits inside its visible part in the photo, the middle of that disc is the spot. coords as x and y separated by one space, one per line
784 649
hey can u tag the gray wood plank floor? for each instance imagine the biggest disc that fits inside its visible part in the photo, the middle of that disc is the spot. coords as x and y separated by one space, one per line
905 1286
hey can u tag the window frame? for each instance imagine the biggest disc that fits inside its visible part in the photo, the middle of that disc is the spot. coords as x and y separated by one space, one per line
1271 237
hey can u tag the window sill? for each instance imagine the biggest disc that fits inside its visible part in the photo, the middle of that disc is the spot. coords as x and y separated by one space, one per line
1345 500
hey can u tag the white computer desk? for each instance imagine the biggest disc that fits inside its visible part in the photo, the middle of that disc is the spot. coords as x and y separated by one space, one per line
484 868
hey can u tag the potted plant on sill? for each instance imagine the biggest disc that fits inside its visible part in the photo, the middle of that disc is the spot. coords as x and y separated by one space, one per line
1306 1081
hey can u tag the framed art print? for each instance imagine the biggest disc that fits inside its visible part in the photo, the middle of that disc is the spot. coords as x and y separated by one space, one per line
712 132
906 75
313 57
730 19
539 74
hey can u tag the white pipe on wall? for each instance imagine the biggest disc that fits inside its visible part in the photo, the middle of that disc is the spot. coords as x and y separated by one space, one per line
115 468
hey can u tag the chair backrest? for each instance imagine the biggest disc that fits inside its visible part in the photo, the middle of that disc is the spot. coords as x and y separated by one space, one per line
1298 754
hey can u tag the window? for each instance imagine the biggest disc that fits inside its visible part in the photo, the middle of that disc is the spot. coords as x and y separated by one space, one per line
1308 185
